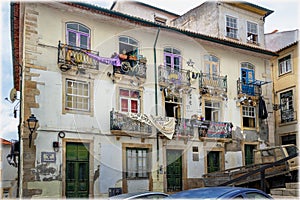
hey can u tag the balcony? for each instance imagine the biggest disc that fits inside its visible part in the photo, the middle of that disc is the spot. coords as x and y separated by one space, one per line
209 129
71 56
287 116
206 129
168 76
184 128
123 124
251 89
132 67
209 83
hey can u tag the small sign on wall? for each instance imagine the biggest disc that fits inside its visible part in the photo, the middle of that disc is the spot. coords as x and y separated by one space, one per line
48 157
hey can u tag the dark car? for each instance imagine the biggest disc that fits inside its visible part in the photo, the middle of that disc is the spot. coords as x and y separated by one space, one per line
141 195
221 193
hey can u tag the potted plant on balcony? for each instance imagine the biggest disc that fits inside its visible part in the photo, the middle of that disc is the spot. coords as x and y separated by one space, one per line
123 55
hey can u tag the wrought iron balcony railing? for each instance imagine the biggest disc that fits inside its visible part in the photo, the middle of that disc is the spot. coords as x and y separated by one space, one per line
248 88
286 116
214 82
132 67
169 76
215 129
183 128
76 56
125 124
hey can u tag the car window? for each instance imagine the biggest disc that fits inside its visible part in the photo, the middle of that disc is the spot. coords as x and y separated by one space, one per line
151 196
255 195
238 197
155 196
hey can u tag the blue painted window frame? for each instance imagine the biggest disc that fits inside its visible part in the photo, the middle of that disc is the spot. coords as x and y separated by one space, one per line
247 77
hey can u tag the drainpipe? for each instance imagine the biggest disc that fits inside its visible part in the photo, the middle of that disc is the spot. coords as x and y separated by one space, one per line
156 107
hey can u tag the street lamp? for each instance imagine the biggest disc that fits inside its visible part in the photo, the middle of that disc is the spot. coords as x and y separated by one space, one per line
32 121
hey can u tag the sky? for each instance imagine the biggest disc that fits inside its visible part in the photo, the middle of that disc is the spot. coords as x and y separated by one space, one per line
285 17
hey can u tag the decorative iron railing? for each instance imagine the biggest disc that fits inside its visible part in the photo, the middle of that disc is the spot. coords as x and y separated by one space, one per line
288 116
132 67
122 122
185 127
76 56
211 81
170 76
215 129
249 89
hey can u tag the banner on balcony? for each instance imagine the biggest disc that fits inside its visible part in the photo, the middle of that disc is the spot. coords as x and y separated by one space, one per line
218 129
166 125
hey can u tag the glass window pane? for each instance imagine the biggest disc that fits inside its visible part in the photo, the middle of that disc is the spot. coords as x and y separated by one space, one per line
72 38
83 29
124 105
124 93
84 41
72 26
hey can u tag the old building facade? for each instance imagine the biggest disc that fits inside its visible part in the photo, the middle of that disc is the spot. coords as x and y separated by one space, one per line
132 103
286 81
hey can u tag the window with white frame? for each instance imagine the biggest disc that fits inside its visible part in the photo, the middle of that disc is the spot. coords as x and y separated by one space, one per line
78 35
231 27
249 116
211 65
252 33
128 46
137 163
130 100
212 110
77 95
284 65
287 107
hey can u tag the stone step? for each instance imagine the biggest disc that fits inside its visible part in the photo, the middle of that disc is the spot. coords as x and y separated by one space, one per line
285 192
283 197
294 185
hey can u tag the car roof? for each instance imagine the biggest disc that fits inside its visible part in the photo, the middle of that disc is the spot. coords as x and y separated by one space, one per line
135 194
211 192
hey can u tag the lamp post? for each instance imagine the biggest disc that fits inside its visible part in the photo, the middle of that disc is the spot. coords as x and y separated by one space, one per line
32 121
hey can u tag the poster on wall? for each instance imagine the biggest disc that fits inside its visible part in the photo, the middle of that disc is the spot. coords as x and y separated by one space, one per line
48 157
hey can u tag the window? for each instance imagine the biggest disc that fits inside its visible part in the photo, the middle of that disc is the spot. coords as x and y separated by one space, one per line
128 46
78 35
252 33
172 59
247 78
231 27
285 65
249 116
287 108
255 195
195 153
77 95
212 111
129 100
211 65
137 163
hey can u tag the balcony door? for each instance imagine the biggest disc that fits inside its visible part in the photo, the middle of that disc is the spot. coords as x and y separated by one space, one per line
247 78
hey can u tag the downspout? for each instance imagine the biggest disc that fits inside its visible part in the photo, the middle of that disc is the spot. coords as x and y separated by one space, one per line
156 101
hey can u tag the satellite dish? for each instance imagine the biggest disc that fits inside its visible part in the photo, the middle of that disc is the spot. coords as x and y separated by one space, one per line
13 95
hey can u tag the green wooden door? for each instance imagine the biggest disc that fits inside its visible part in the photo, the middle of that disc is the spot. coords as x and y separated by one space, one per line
249 154
77 170
213 161
174 170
